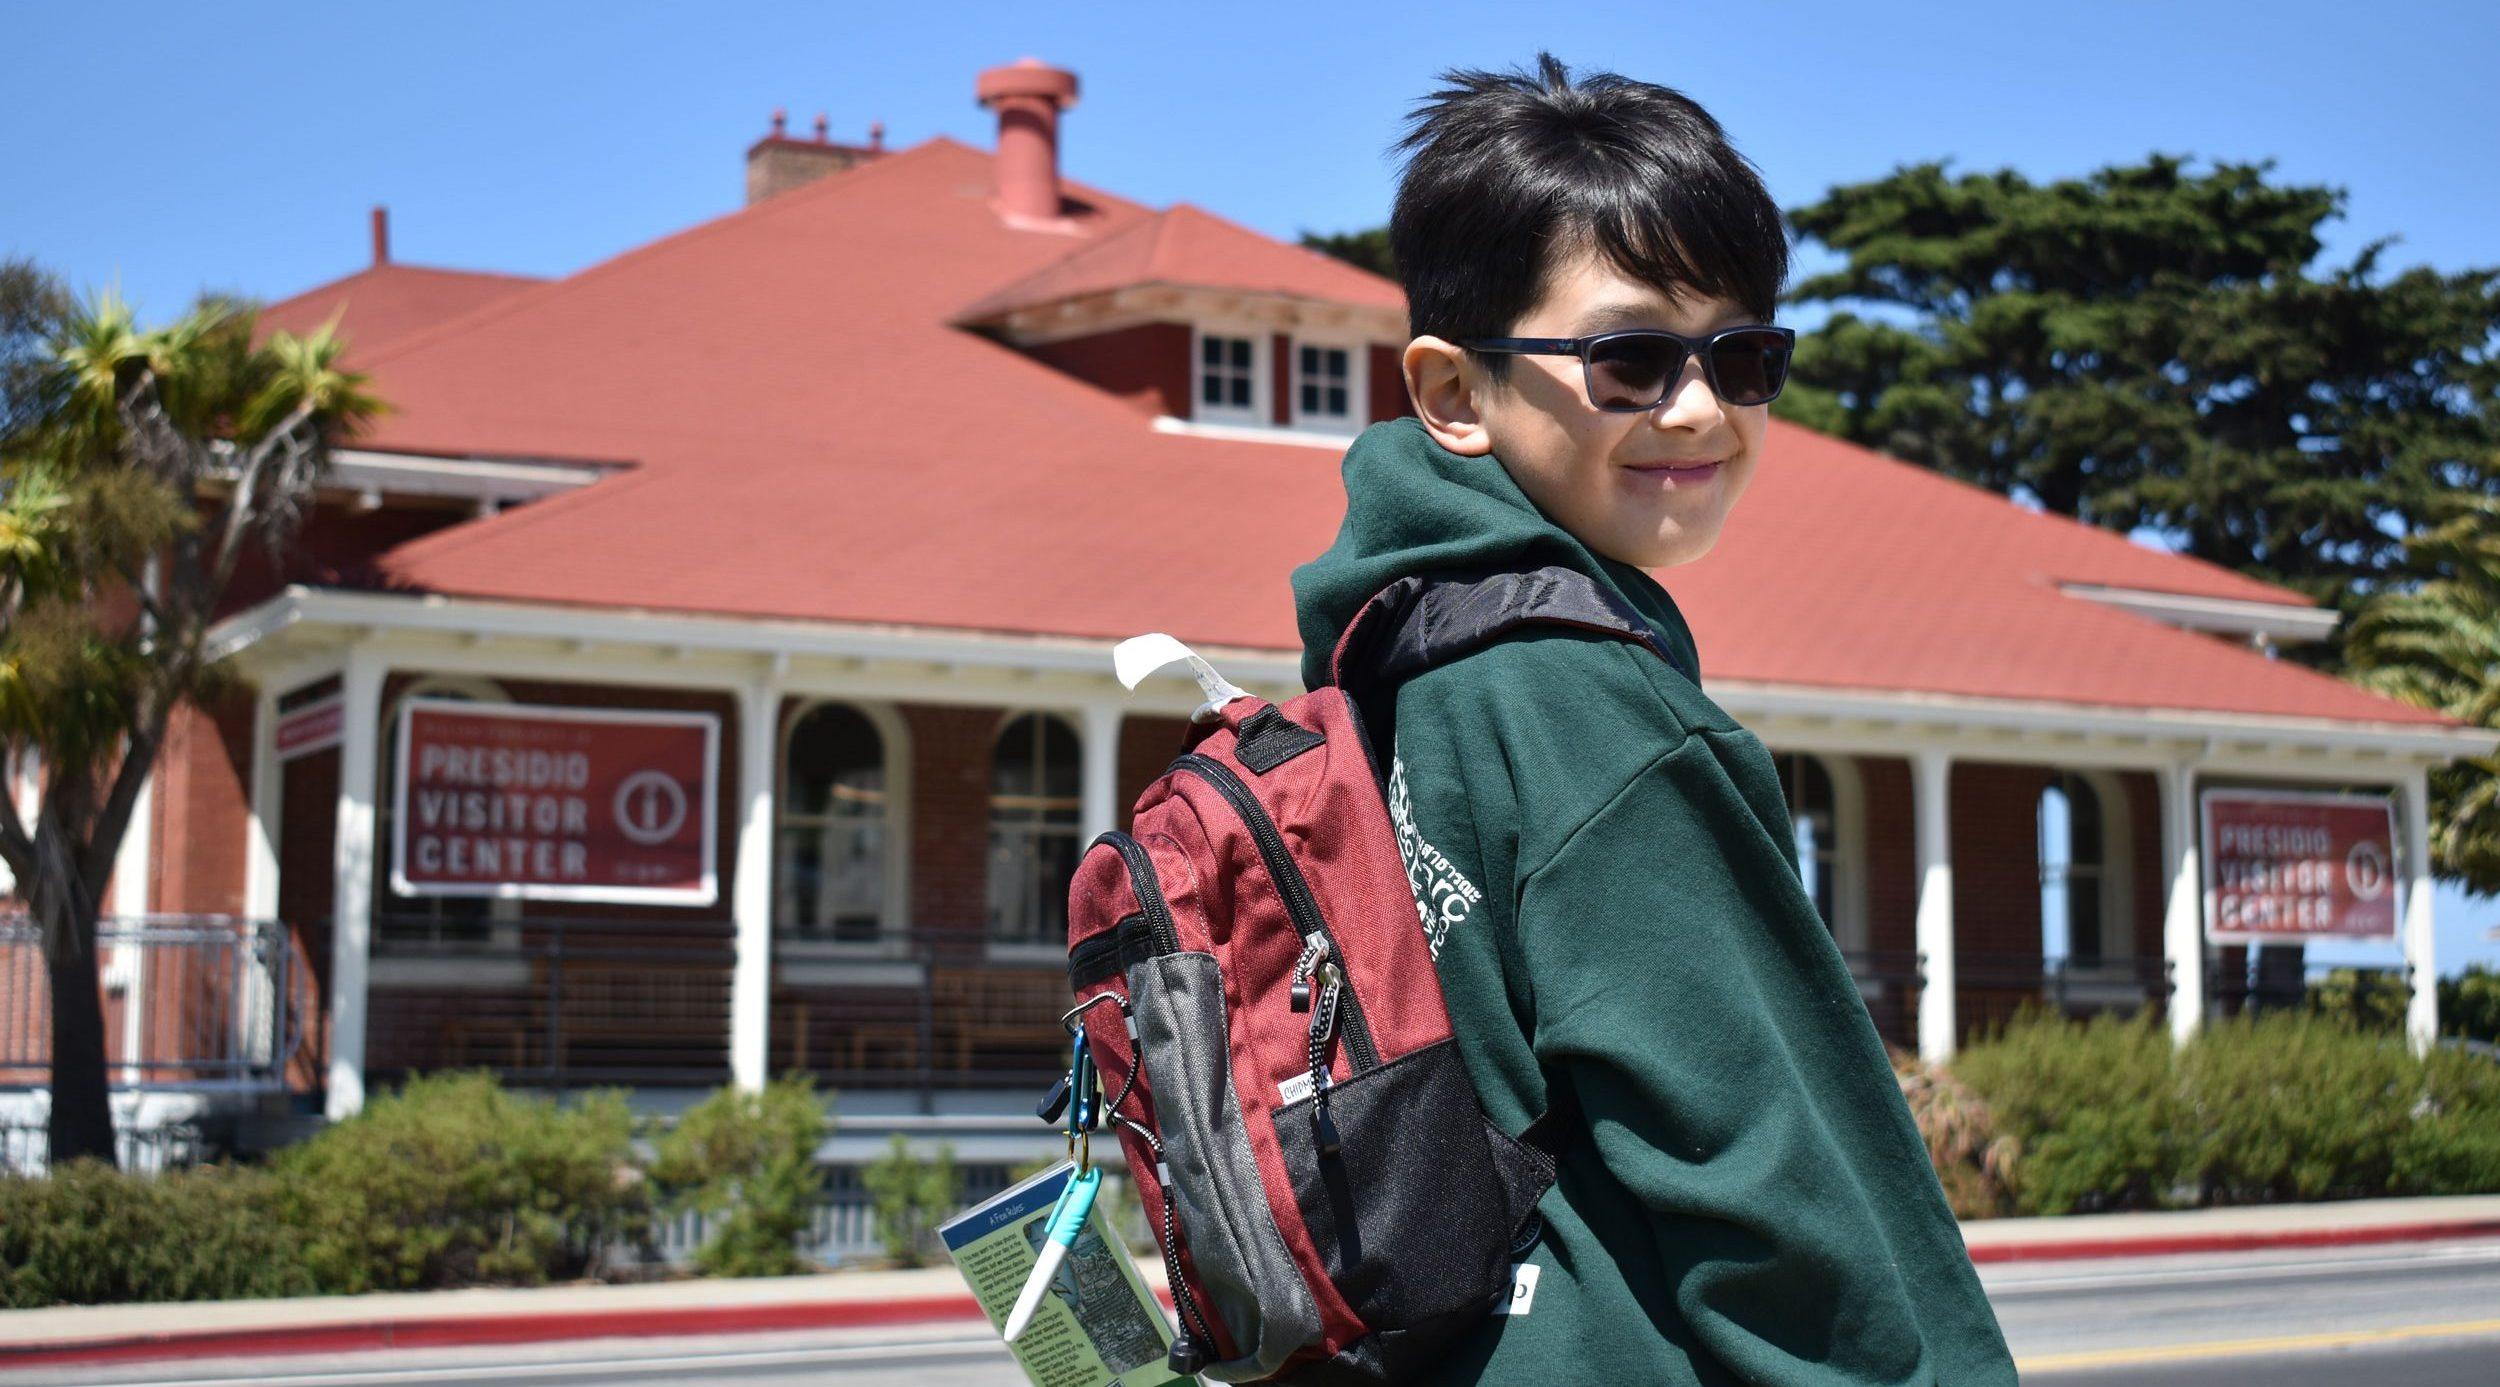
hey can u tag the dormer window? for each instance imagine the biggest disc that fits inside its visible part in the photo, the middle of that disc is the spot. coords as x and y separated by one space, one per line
1228 379
1323 385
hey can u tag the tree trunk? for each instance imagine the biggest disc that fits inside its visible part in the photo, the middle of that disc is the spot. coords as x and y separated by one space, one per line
82 1110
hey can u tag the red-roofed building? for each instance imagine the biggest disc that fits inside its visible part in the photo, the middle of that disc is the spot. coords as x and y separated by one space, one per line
844 496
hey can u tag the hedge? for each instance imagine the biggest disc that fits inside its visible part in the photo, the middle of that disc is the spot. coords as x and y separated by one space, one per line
2106 1114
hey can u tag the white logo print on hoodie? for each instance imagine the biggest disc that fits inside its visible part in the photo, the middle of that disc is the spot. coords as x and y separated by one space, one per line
1443 894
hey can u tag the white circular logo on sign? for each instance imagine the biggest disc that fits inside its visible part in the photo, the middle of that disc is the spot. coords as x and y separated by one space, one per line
650 807
2366 870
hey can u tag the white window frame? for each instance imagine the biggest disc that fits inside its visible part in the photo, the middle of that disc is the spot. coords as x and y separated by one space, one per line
1261 412
1357 386
1848 858
894 924
2116 873
994 949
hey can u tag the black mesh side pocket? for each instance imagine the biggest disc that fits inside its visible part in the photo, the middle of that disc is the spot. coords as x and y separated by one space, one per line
1414 1215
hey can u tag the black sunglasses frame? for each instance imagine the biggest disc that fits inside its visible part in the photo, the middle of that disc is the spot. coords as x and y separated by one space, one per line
1584 348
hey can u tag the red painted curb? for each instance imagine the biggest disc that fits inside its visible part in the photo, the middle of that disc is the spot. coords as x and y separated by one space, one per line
2231 1242
488 1329
601 1324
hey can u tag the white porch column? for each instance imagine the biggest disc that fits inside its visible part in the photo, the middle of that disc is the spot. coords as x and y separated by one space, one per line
1930 771
2420 940
751 905
351 904
260 882
1102 771
134 895
2183 913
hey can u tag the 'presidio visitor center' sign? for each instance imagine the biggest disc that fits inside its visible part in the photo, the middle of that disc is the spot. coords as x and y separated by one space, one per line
575 804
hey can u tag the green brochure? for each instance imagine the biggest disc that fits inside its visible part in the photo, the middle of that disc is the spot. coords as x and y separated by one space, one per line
1099 1326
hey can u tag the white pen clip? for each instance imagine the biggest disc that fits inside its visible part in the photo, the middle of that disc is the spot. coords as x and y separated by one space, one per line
1138 656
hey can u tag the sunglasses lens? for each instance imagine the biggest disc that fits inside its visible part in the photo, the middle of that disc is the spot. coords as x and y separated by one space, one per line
1751 366
1627 373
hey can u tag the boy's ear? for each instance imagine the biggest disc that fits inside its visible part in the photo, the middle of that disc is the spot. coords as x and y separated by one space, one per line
1441 382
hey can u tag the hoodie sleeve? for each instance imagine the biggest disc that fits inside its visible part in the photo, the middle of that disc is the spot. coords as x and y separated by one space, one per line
1687 991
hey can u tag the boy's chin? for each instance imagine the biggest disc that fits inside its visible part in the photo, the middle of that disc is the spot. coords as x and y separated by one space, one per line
1660 552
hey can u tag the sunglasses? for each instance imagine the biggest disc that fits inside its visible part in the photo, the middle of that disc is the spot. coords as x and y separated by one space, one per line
1631 371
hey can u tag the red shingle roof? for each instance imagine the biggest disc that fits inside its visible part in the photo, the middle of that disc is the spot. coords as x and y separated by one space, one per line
390 301
1191 247
816 442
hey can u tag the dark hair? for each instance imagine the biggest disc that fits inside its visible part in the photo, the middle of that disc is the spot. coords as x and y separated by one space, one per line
1511 171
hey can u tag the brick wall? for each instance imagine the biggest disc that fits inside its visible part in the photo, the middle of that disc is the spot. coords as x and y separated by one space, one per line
950 829
1147 745
203 808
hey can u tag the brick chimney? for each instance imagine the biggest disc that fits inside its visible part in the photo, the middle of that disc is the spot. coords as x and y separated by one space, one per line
1028 97
381 235
778 162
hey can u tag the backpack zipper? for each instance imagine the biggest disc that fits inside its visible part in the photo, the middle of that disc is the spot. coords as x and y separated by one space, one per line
1296 891
1141 875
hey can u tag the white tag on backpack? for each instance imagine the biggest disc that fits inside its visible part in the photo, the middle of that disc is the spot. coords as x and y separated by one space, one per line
1138 656
1299 1087
1522 1289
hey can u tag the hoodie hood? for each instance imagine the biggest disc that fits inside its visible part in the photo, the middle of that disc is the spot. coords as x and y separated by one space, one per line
1413 506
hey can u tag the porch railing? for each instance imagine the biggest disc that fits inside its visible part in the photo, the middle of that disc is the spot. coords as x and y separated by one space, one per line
197 1003
2371 995
563 1002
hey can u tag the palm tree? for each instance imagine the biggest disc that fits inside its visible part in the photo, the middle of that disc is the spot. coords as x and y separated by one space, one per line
2438 646
135 469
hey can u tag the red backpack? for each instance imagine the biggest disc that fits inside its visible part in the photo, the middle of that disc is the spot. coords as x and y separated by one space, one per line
1331 1202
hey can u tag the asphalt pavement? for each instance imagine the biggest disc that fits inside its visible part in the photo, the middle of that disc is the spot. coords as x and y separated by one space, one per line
2424 1314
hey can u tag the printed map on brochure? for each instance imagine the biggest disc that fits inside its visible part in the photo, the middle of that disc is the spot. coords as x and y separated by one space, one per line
1099 1325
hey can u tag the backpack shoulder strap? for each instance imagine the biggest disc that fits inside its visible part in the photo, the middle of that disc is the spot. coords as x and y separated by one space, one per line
1429 619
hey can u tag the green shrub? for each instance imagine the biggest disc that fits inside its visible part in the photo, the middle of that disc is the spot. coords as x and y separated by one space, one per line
452 1182
912 1197
748 1162
93 1235
2469 1004
2453 1144
2283 1106
2291 1106
2374 1000
2093 1107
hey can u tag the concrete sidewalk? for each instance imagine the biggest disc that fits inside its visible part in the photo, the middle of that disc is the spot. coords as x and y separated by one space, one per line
435 1319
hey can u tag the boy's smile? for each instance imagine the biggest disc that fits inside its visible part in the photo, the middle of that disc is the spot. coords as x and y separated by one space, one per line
1626 485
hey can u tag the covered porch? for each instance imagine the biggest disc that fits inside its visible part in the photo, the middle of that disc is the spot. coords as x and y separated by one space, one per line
896 813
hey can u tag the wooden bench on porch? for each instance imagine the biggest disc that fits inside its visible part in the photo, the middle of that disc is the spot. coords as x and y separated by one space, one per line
652 1006
1016 1008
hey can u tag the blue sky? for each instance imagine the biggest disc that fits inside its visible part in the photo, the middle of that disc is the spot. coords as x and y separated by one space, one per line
168 148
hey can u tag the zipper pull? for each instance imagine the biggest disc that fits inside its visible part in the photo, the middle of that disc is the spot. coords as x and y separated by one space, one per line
1314 949
1323 1025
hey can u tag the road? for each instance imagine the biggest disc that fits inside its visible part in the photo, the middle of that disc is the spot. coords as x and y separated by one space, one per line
2427 1315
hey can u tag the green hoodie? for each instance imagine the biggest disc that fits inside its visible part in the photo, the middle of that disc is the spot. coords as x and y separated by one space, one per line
1603 861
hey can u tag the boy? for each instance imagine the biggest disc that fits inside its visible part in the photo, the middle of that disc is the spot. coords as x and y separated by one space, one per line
1601 857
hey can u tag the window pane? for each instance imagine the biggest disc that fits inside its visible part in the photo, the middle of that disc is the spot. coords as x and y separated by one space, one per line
1211 390
1241 353
2083 819
1336 399
1337 363
1241 391
1310 398
1211 350
2083 917
1310 361
1063 776
835 757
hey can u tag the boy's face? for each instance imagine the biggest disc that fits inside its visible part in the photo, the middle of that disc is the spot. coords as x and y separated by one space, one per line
1600 475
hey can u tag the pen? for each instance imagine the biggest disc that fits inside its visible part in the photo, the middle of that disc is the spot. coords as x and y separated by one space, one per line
1067 1218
